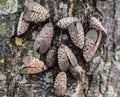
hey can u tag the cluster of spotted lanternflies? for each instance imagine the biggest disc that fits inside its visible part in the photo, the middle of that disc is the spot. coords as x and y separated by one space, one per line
34 12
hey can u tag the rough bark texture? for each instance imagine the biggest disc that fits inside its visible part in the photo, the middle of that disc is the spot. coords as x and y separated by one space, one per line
12 49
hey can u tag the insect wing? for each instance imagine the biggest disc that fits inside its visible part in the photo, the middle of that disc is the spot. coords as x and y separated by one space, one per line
36 12
33 65
60 84
65 22
44 38
96 24
51 57
77 34
22 25
71 56
63 60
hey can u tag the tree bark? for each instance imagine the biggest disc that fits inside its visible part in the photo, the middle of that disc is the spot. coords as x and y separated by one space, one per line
102 71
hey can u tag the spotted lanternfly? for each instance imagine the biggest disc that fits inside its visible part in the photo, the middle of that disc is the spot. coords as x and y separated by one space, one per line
51 57
63 60
35 12
44 38
33 65
72 59
66 58
65 22
60 84
77 72
77 34
22 25
96 24
92 41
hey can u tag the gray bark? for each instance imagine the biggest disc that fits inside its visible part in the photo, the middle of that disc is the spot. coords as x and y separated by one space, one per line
13 84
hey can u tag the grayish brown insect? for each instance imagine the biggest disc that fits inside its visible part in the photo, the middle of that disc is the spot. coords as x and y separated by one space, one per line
92 41
44 38
35 12
70 55
51 57
22 25
33 65
66 58
77 72
63 60
96 24
60 84
77 34
65 22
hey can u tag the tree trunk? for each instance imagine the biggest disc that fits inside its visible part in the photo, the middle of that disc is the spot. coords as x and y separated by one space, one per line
102 71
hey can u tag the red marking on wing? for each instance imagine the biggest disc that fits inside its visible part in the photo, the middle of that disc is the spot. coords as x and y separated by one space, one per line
35 11
95 42
30 67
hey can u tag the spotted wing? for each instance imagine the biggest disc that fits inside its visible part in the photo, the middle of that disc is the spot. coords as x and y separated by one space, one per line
60 84
63 60
65 22
44 38
51 57
71 56
33 66
36 12
96 24
22 25
77 34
